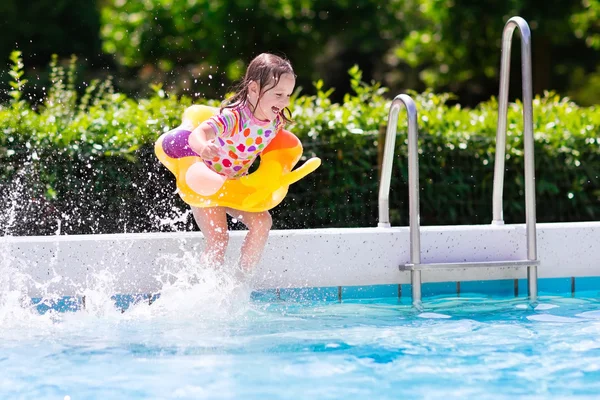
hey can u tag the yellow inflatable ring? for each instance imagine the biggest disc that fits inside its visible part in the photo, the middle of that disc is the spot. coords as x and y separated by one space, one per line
259 191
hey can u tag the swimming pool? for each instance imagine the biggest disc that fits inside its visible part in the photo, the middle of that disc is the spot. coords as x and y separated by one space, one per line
212 340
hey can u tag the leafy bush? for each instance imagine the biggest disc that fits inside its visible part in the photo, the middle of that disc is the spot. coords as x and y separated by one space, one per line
84 162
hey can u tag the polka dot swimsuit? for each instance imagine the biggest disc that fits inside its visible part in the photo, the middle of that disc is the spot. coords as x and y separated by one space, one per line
241 138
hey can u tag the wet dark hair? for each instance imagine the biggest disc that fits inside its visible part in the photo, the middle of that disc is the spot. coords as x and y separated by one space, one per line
265 69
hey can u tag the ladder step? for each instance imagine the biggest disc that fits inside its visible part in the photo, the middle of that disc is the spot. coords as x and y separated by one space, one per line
475 264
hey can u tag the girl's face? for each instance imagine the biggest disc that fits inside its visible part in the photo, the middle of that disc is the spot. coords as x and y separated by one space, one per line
273 101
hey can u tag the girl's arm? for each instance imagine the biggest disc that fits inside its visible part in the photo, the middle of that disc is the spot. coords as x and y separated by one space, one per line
202 141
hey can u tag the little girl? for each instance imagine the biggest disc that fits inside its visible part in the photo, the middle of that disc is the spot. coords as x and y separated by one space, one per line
248 121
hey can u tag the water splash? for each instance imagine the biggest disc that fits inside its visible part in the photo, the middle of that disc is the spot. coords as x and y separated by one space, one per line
199 291
187 289
14 303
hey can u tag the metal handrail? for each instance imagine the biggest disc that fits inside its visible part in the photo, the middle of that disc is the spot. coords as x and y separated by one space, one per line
413 183
388 157
502 116
530 219
413 163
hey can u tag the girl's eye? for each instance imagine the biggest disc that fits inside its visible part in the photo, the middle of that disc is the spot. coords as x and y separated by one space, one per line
278 95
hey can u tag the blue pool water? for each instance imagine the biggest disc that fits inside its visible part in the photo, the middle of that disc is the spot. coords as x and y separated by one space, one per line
212 345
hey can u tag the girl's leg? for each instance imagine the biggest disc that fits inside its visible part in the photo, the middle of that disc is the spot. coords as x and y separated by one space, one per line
213 224
259 225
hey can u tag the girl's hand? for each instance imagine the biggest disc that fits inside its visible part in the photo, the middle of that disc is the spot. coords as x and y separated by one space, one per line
202 141
209 150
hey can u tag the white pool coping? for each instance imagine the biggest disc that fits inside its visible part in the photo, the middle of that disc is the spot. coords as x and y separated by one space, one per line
131 263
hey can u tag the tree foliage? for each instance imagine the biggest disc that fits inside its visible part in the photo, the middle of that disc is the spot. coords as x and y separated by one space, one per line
43 27
449 45
456 43
200 47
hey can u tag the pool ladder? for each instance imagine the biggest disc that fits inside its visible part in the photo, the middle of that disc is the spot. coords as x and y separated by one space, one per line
415 266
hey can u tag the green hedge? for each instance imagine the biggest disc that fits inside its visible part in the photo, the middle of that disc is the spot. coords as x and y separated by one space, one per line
83 161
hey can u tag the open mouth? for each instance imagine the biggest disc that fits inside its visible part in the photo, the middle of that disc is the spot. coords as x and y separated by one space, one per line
275 110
